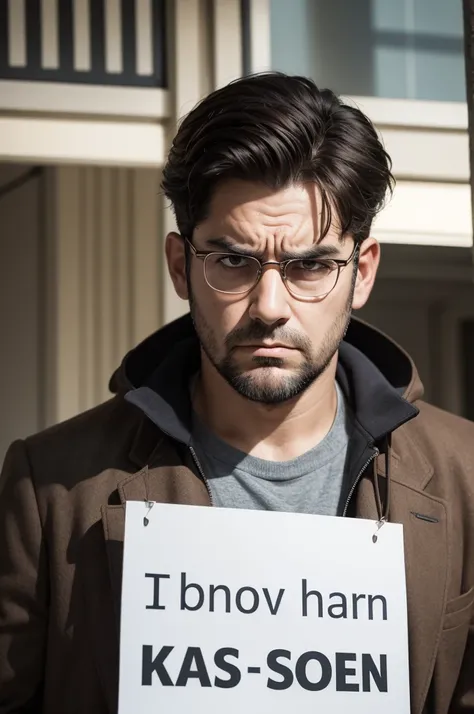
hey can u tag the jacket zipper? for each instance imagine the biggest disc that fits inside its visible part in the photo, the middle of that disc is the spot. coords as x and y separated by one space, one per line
356 482
199 468
351 492
201 474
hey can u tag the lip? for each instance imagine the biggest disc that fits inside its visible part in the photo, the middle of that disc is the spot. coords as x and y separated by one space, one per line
269 350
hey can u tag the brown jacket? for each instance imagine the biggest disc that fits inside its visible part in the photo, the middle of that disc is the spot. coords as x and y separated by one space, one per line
62 519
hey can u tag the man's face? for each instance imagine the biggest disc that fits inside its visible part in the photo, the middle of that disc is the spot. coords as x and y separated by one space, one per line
267 344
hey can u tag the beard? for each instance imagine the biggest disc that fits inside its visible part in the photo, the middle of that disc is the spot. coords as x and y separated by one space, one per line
266 382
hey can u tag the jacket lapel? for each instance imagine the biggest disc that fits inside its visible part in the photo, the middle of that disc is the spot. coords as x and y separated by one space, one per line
133 487
167 482
173 483
424 522
426 527
113 520
103 591
426 562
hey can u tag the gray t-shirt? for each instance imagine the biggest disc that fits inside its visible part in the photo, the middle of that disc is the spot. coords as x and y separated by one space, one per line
311 483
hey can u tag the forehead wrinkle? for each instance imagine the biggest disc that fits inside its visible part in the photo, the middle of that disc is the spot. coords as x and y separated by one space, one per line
267 221
274 233
262 227
246 239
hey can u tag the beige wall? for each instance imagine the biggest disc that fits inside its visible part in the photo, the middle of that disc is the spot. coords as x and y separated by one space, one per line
105 230
82 281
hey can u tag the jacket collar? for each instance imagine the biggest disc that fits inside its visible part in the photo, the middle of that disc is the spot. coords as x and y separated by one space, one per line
378 406
380 402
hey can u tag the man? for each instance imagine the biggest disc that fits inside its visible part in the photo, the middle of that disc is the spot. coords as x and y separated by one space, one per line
269 397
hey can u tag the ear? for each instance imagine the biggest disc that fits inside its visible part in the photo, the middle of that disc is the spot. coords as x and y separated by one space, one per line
176 259
369 259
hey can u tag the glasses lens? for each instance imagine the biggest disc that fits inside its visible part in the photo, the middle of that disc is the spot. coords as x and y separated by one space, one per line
311 277
231 273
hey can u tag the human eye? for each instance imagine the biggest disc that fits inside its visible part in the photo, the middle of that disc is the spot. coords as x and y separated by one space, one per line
233 261
311 265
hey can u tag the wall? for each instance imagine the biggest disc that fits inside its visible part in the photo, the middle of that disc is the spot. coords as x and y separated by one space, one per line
20 308
423 298
82 281
105 294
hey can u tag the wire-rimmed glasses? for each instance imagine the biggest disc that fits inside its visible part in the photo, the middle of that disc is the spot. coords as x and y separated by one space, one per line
236 274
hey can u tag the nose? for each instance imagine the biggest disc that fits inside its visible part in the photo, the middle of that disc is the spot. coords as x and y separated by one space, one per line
270 298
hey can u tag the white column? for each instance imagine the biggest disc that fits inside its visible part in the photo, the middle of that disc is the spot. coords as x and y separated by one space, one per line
144 38
16 33
190 35
260 45
227 41
113 37
49 34
82 35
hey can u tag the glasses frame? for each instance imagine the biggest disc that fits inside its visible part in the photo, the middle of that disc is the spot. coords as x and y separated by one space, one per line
282 266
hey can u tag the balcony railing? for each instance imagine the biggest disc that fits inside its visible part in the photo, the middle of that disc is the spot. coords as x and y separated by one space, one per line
101 42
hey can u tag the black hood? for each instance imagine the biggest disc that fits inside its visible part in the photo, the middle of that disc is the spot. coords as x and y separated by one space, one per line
377 376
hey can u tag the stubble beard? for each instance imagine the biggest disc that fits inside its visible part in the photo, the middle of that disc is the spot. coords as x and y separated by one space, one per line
263 384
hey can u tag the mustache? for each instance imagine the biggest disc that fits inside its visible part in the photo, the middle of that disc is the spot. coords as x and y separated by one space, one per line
258 331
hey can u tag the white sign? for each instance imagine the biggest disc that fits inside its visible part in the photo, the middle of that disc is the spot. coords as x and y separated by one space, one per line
250 612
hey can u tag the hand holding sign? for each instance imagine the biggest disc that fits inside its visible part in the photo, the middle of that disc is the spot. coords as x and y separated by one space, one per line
249 611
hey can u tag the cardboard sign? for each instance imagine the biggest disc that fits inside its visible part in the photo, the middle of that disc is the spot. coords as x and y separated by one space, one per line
235 611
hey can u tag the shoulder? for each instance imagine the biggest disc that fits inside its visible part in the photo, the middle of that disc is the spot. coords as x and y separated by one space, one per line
444 442
82 447
110 415
442 430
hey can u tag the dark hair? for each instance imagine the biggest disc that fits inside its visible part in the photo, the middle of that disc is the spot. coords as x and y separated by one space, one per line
279 129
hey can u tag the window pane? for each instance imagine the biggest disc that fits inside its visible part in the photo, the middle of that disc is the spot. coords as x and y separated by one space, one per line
439 51
404 49
293 52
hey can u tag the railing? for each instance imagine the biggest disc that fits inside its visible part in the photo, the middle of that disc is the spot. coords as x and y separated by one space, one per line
101 42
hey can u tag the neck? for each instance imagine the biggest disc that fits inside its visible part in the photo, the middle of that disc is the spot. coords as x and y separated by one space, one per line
274 432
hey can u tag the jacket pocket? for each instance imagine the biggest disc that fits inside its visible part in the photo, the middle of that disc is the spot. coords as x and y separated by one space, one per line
451 651
459 610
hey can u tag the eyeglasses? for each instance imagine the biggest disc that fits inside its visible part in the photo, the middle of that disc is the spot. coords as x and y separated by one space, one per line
236 274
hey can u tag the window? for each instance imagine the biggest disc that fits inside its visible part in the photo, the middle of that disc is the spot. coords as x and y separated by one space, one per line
402 63
402 49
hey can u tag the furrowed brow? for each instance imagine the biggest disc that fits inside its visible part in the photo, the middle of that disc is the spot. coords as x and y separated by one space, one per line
228 246
317 251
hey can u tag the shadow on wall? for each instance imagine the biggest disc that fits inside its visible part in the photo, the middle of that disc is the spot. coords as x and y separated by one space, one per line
20 305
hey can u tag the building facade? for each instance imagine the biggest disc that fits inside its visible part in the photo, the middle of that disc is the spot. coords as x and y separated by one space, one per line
91 91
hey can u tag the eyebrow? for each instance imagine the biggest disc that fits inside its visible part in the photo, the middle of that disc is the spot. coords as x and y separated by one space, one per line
319 250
